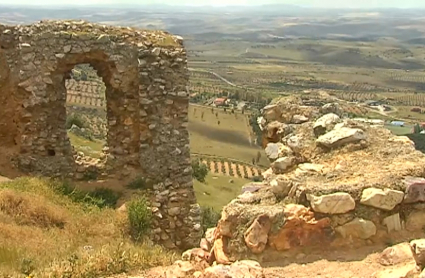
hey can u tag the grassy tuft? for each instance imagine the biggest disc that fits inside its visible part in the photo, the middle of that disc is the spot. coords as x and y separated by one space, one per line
140 217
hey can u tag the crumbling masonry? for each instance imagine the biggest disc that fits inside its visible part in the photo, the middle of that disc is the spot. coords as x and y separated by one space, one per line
146 77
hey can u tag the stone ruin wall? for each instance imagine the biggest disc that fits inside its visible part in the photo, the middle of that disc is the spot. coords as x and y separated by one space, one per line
146 80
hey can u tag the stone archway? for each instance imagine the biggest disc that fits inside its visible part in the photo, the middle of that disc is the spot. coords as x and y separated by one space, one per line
147 102
121 101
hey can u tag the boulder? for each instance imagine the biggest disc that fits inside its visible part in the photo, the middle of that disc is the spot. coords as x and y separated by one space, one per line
415 190
331 108
283 164
392 222
252 187
272 151
210 235
195 254
271 112
257 234
294 142
358 228
385 199
341 136
281 186
276 150
299 119
397 254
274 132
415 221
325 123
311 167
219 252
180 269
418 249
336 203
205 245
300 228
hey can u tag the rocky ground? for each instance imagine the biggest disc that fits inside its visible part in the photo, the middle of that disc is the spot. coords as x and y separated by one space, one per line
394 262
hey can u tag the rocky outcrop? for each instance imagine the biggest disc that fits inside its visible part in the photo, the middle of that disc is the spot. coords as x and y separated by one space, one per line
325 123
331 180
146 78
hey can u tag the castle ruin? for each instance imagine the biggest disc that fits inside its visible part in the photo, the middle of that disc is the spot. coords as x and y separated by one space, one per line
146 80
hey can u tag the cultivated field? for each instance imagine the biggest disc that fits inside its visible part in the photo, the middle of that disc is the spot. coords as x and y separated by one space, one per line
222 134
85 93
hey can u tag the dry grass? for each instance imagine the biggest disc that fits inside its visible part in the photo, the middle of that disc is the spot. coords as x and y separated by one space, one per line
46 234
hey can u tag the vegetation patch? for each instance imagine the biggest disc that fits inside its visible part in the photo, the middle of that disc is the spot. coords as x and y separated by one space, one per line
199 170
140 217
48 229
209 218
140 183
100 197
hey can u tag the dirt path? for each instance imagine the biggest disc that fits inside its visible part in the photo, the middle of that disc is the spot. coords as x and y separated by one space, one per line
348 263
359 263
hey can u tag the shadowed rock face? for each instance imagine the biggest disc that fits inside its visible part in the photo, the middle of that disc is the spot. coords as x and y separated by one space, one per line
146 80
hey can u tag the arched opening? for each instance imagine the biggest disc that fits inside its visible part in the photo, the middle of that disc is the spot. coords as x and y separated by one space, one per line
86 116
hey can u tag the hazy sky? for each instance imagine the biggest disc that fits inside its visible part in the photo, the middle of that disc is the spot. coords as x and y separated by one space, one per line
312 3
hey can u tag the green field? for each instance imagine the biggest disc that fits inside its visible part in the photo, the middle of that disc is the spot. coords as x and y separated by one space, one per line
400 130
218 191
88 147
229 139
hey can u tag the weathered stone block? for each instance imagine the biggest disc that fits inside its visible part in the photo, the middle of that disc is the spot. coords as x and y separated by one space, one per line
385 199
341 136
392 222
358 228
415 221
336 203
325 123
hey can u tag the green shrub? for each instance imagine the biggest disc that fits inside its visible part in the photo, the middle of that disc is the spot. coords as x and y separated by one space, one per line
90 175
257 179
75 119
140 183
100 197
140 217
199 170
108 197
209 218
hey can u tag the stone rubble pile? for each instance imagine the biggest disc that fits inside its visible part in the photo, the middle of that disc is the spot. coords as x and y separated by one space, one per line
332 180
